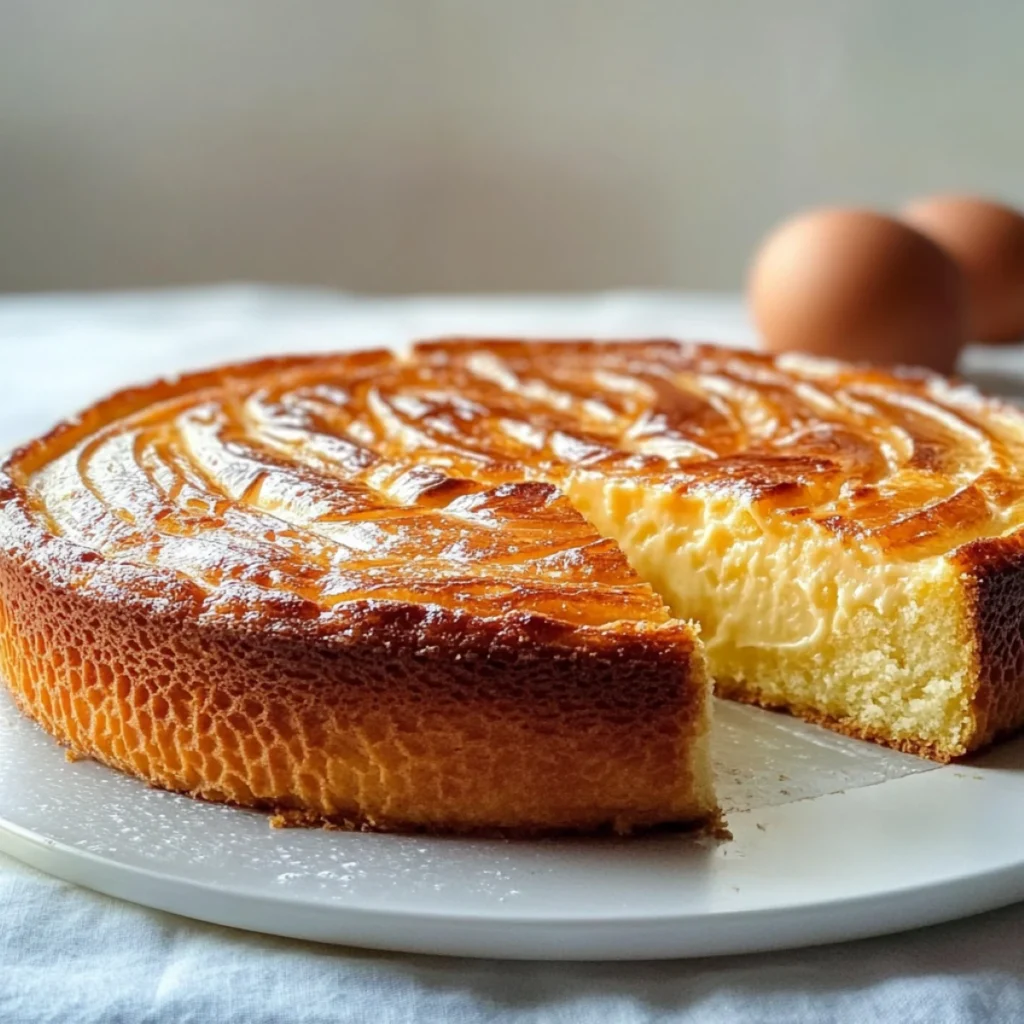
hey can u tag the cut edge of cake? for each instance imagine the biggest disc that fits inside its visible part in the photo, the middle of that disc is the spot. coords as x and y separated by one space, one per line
924 654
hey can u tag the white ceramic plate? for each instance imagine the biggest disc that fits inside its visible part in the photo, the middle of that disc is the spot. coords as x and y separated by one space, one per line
891 844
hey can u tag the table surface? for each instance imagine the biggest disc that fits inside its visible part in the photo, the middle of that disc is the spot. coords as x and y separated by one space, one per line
70 955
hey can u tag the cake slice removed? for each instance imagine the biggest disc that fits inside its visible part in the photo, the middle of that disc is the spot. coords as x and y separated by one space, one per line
922 654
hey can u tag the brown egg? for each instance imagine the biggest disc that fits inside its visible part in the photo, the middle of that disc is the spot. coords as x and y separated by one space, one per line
858 286
987 240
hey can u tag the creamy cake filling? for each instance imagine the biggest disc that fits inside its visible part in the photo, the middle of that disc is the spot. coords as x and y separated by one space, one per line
793 617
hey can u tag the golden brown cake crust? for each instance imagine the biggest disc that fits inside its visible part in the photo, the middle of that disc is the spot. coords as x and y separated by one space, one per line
993 571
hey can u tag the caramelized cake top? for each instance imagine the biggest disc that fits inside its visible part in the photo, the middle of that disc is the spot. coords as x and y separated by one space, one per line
291 488
253 489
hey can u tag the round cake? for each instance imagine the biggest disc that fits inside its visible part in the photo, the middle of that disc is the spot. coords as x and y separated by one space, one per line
460 589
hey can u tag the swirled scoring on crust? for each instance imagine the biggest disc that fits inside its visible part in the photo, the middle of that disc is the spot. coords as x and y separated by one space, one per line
297 485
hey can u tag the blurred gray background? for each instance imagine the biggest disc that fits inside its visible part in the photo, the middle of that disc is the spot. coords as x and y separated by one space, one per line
479 145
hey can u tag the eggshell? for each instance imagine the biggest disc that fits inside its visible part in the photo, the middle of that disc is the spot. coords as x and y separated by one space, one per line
987 240
858 286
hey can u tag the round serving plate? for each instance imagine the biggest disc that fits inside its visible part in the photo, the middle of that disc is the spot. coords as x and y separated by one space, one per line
892 847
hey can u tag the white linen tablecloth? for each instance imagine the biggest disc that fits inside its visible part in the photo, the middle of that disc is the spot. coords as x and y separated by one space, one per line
71 956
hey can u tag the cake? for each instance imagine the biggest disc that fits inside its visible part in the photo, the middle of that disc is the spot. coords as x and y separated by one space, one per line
453 589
